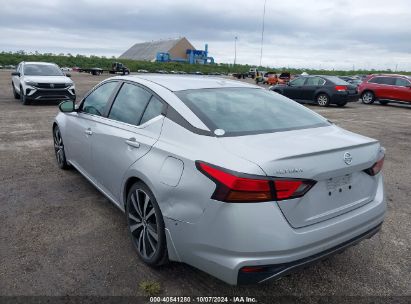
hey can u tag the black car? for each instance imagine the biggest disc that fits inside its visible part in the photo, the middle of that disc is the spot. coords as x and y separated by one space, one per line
321 90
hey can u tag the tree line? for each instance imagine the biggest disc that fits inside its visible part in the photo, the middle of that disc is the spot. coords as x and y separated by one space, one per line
92 61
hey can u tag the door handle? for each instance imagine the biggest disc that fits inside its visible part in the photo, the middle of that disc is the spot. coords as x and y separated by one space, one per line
88 132
133 142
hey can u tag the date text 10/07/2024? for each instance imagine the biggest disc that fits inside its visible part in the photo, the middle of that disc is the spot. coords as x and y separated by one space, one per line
235 299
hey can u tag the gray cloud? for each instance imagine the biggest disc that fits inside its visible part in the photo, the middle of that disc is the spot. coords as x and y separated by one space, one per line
327 34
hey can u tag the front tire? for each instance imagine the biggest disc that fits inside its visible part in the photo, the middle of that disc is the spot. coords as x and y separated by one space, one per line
146 225
15 94
368 97
323 100
59 149
23 97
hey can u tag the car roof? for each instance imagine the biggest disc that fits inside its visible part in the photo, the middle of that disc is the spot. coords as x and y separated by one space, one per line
188 82
389 75
39 62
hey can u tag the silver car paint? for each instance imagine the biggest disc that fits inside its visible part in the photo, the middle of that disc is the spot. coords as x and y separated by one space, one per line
217 237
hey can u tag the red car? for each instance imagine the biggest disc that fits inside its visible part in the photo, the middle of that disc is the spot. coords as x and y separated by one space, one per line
385 88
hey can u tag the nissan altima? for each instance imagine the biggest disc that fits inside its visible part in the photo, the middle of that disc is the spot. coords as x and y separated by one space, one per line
238 181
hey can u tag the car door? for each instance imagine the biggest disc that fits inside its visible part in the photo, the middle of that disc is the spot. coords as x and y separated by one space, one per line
81 124
383 86
402 89
293 89
128 132
310 87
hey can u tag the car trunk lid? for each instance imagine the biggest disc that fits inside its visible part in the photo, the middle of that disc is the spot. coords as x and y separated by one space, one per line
333 157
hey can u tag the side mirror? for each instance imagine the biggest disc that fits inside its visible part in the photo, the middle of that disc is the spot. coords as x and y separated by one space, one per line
68 75
67 106
15 74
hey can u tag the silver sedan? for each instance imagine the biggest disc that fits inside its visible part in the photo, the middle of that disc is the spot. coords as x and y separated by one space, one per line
240 182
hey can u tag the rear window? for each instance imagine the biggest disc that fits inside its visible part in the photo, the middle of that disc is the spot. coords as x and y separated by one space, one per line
336 80
243 111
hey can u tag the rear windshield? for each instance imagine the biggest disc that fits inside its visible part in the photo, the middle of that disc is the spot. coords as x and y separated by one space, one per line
42 70
243 111
336 80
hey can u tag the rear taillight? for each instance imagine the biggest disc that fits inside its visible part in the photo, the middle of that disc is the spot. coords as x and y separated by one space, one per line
376 168
341 88
237 187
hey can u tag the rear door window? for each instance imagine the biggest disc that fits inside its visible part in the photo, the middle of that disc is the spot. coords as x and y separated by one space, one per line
314 81
154 108
298 82
130 103
383 80
401 82
96 102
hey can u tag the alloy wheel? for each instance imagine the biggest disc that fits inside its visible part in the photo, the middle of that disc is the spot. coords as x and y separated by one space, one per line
143 224
59 147
368 98
322 100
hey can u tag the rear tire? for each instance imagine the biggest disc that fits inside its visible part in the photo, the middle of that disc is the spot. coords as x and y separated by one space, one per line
146 225
59 149
368 97
15 94
23 97
323 100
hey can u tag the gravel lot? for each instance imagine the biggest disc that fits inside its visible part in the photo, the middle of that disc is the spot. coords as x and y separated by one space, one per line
60 236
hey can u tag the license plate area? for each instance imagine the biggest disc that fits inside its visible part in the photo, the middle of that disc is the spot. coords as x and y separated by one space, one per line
339 184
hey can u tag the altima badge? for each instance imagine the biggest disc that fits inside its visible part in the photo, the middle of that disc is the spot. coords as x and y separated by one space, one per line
347 158
289 171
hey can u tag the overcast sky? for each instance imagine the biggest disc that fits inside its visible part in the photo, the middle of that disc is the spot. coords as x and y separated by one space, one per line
325 34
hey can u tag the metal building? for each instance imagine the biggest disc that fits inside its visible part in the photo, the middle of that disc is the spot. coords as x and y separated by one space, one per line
148 50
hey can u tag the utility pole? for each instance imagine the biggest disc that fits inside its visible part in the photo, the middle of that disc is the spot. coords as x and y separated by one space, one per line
235 49
262 34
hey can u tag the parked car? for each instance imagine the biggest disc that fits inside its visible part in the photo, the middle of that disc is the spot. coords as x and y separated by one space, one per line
352 80
233 179
321 90
284 77
259 76
142 71
37 81
268 78
385 89
252 72
66 69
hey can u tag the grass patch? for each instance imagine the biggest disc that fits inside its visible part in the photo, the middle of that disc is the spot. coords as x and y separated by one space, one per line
150 288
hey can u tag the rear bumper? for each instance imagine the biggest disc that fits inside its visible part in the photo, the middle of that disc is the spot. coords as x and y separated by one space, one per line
270 272
229 237
341 98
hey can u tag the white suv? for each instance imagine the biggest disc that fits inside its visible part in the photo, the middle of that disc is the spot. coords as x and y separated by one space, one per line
35 81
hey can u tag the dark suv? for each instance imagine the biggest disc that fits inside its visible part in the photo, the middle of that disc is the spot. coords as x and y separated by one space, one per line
385 89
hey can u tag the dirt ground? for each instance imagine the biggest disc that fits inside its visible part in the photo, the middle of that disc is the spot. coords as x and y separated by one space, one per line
60 236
